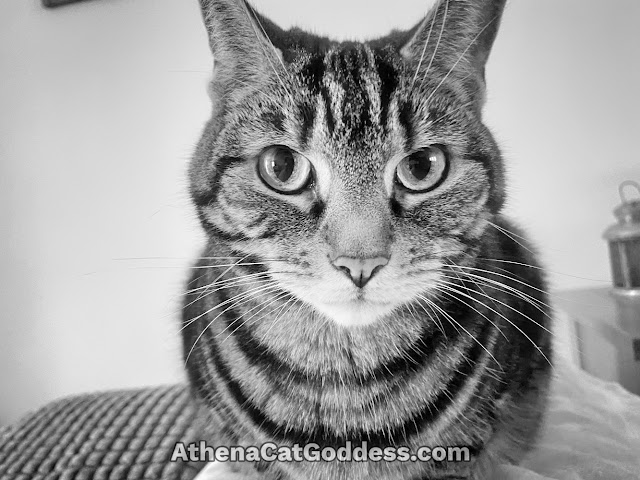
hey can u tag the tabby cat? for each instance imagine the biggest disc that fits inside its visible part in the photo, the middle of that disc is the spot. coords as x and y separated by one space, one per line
359 281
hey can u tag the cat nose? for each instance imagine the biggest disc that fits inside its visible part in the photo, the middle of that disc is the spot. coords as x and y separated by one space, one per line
360 270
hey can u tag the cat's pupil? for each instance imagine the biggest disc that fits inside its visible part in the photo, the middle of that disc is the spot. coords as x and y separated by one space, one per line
283 165
419 164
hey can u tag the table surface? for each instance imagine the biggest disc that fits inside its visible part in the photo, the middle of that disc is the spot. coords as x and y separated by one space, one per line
600 307
605 333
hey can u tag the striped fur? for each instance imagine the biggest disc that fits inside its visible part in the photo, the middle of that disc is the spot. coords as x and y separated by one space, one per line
448 344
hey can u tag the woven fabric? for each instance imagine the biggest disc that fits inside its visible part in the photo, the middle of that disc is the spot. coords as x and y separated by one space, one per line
120 435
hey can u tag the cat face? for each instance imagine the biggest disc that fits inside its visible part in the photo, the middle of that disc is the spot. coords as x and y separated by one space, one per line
354 171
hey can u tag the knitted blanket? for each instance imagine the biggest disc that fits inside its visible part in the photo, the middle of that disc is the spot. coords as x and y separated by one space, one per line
119 435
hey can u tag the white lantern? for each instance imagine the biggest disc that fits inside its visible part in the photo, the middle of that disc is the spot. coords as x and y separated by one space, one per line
624 244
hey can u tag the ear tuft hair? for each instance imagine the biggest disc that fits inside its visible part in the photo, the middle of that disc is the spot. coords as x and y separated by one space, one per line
243 53
454 41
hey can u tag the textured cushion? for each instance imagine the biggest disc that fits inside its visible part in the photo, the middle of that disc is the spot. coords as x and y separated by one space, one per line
115 435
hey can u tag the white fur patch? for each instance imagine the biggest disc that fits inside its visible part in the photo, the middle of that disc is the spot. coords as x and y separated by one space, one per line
220 471
356 313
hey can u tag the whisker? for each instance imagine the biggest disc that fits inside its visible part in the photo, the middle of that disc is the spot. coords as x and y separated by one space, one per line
243 295
229 281
267 302
244 300
518 293
448 114
503 304
451 319
196 267
246 278
455 272
434 306
243 257
508 289
535 267
259 90
177 258
221 275
253 26
450 295
206 293
224 265
302 305
424 50
510 275
267 36
223 285
208 289
538 304
434 319
521 237
435 50
501 284
460 58
508 320
510 235
292 302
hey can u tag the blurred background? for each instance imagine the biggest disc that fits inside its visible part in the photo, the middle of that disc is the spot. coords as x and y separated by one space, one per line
101 103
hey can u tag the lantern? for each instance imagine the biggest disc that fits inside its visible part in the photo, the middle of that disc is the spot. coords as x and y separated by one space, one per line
624 244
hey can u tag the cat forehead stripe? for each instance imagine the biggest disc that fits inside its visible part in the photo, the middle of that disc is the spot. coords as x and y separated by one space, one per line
350 80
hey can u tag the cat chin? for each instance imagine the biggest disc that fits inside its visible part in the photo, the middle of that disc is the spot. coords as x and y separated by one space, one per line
355 313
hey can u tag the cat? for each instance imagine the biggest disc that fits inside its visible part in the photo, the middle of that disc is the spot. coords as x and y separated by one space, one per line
359 282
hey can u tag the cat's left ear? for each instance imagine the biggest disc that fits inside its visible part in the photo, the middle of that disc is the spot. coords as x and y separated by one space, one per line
454 41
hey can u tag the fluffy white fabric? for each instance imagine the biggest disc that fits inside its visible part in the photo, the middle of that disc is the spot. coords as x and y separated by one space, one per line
591 432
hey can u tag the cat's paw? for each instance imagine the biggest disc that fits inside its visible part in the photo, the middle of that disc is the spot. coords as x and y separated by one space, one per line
222 471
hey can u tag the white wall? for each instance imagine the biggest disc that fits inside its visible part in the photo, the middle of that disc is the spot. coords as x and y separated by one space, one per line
101 103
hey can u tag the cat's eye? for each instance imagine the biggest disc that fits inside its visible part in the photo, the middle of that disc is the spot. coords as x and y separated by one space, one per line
283 169
423 170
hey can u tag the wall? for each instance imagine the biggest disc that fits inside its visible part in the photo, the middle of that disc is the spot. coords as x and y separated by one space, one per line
103 101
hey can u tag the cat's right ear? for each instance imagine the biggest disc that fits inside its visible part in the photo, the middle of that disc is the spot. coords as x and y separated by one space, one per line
242 52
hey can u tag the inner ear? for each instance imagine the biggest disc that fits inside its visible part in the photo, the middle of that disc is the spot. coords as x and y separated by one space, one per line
454 41
240 41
